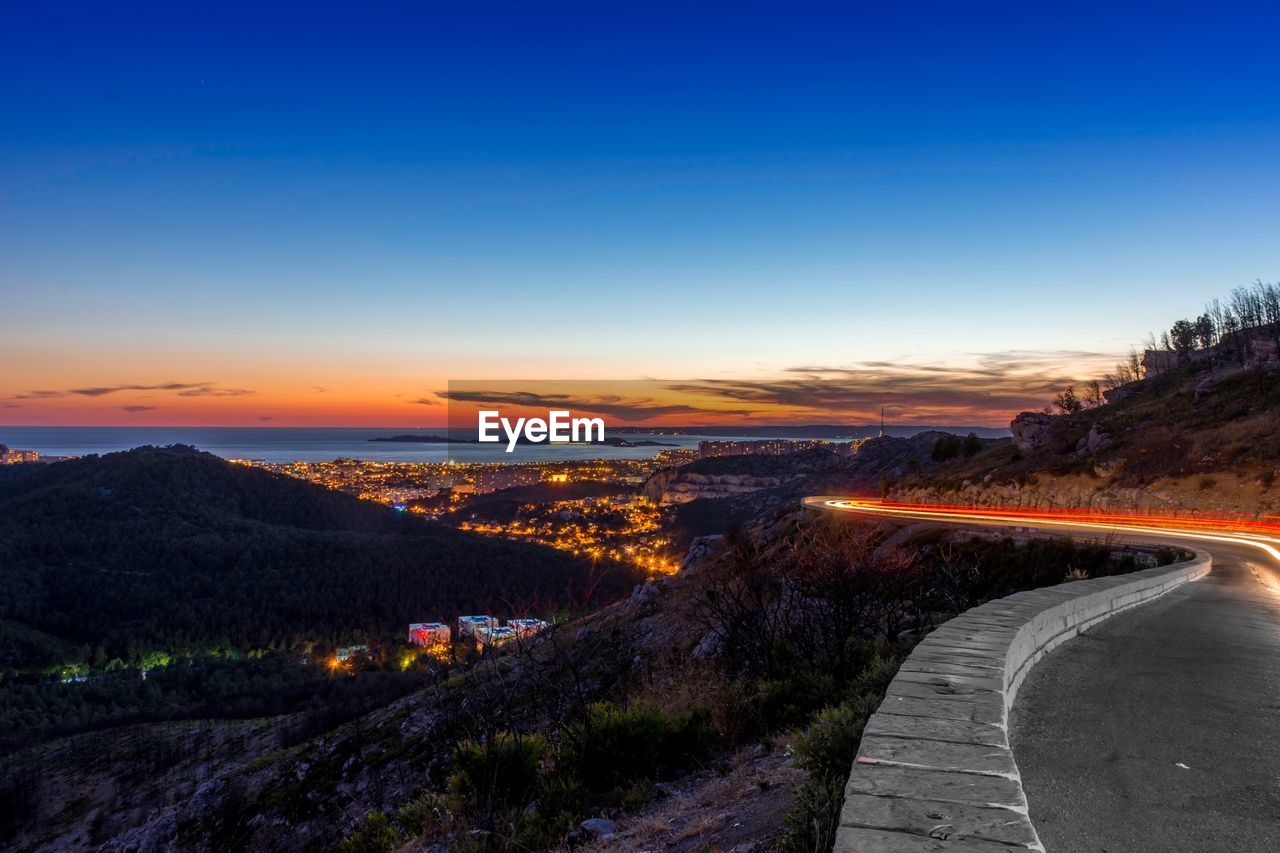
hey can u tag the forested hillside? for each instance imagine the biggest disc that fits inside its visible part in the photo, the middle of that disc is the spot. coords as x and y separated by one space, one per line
170 550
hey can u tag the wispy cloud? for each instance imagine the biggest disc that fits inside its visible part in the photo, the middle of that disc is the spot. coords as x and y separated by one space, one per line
38 395
209 391
102 390
988 387
623 408
425 401
137 408
181 389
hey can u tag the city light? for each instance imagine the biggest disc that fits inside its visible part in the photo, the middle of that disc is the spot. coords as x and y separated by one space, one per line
622 526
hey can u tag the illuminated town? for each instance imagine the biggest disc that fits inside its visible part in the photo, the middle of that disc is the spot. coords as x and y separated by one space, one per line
613 522
627 528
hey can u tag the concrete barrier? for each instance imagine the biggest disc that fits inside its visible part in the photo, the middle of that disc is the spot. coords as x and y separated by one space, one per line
934 770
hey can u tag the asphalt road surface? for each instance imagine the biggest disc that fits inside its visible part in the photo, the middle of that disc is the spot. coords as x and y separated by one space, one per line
1158 729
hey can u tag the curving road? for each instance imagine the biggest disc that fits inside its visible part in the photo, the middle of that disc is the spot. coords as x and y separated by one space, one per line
1158 730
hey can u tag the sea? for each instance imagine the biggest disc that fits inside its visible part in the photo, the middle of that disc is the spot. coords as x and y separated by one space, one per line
319 444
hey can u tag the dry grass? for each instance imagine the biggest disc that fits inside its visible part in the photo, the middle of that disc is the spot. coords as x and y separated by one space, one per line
744 802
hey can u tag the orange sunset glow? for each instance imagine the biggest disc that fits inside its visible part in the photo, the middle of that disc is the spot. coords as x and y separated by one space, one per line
986 390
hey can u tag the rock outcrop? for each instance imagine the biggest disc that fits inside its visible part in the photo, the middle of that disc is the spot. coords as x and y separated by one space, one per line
1031 431
1093 441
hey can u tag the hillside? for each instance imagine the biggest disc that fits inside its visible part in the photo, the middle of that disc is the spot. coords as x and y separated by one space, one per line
1199 432
715 494
170 550
707 710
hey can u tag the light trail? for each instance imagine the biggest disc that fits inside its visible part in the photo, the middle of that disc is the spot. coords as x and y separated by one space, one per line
1261 534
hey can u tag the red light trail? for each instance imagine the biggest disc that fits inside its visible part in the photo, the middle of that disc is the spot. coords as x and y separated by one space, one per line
1263 534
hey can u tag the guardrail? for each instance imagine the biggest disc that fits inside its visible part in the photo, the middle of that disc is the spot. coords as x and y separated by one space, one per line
934 770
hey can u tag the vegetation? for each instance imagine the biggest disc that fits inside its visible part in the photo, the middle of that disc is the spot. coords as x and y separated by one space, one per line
1249 316
810 618
614 747
376 835
815 619
1206 413
951 446
173 550
32 706
217 576
789 634
514 790
826 751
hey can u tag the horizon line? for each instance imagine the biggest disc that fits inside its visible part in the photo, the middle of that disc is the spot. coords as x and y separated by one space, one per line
786 425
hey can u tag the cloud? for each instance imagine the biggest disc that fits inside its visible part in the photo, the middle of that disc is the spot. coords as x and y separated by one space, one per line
319 389
136 408
207 391
986 387
38 395
179 388
633 409
424 401
182 389
265 418
115 389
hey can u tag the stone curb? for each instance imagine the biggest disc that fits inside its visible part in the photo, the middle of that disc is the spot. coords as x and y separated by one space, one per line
934 770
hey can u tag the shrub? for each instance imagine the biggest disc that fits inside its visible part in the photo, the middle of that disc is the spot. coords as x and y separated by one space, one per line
500 773
790 698
428 810
831 742
827 750
559 806
808 826
375 835
946 447
614 747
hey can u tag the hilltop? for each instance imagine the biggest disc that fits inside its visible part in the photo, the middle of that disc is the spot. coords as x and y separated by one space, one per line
174 551
1199 431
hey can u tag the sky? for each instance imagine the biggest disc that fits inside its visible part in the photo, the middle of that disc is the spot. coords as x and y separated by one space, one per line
322 214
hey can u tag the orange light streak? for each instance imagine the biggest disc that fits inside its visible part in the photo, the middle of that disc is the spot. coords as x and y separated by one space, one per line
1222 528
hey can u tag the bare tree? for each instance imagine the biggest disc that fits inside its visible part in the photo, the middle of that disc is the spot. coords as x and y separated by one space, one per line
1268 297
1133 362
1218 315
1093 397
1247 310
1067 402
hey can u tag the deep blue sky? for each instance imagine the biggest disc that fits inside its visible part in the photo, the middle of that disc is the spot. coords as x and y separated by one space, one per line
379 198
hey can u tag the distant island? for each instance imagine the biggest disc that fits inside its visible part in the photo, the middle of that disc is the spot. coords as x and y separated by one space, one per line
623 442
611 441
